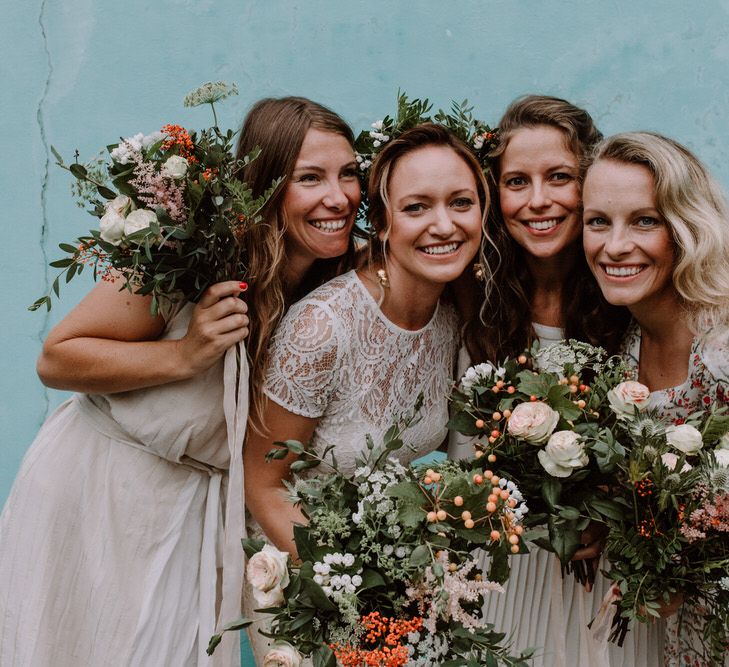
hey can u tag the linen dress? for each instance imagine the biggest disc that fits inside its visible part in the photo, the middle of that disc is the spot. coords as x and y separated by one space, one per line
541 609
110 540
337 358
707 381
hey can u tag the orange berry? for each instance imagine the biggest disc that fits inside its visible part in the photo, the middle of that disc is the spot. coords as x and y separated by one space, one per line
504 494
510 390
478 479
515 548
514 539
522 359
436 476
495 480
452 566
432 517
507 413
490 507
465 515
573 389
511 503
480 423
495 535
492 498
488 474
495 433
468 523
479 453
581 404
492 440
532 398
491 458
583 387
427 480
495 389
519 530
500 383
574 379
458 501
442 515
496 416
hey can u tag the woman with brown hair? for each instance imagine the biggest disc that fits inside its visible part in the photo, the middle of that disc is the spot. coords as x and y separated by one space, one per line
542 290
109 540
356 353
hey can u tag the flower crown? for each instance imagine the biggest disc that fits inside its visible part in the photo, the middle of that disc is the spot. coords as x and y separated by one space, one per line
475 133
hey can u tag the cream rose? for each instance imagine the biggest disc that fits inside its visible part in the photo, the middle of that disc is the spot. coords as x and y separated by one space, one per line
685 438
111 224
563 454
722 456
268 569
282 654
137 220
533 422
174 167
670 460
627 396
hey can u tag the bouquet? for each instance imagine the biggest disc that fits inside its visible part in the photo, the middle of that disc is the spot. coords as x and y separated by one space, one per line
552 432
672 542
173 215
387 574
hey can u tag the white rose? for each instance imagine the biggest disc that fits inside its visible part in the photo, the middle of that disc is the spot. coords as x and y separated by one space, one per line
137 220
533 422
265 599
174 167
670 460
267 570
627 396
111 224
685 438
563 454
282 655
722 456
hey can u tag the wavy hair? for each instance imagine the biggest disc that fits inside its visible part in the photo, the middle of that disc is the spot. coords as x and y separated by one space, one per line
694 206
501 321
278 126
378 203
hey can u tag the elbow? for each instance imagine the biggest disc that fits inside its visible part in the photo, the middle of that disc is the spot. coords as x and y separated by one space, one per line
49 368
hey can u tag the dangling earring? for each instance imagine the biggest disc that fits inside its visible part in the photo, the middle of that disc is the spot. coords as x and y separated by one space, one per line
479 272
382 278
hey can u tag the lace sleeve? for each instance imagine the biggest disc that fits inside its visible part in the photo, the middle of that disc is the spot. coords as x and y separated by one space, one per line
304 359
714 355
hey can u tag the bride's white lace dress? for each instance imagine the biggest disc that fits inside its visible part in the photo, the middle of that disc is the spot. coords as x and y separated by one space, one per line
337 358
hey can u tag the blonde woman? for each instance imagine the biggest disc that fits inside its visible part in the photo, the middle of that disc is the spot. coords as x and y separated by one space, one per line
109 538
656 236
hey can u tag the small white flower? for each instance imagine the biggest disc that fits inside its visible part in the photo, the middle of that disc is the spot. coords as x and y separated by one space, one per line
209 93
685 438
356 581
376 143
348 560
377 125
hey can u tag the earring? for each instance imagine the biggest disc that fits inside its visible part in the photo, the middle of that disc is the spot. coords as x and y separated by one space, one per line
382 278
479 272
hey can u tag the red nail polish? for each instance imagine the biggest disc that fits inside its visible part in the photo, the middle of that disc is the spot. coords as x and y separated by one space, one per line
243 286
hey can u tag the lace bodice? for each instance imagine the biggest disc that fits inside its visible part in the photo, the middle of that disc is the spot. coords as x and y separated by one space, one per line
336 357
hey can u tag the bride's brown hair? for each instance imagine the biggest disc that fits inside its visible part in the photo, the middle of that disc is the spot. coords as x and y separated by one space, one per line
278 127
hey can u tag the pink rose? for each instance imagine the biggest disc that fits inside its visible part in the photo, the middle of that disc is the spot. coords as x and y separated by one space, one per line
533 422
627 396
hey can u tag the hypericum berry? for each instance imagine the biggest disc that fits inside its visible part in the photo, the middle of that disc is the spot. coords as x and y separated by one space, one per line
468 523
492 498
442 515
488 474
581 404
515 548
505 493
490 507
480 423
458 501
491 458
432 517
465 515
510 389
496 416
478 479
495 535
507 413
495 480
522 359
514 539
495 433
427 479
532 398
574 379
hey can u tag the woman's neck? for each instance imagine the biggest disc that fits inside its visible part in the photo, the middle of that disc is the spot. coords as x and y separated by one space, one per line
406 305
666 341
548 276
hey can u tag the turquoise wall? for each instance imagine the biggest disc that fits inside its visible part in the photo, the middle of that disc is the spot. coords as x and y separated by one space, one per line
79 74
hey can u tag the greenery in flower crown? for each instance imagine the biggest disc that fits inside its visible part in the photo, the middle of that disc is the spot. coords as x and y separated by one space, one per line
173 214
387 574
673 538
553 432
475 133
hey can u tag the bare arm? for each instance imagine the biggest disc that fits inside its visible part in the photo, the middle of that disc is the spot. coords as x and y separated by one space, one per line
108 343
266 496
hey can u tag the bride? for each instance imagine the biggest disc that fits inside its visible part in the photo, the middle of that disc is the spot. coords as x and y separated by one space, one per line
358 351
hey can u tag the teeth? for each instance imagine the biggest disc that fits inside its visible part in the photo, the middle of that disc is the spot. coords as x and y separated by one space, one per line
623 270
543 224
328 225
440 249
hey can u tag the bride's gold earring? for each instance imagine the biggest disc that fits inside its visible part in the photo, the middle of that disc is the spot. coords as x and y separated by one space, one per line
479 273
382 278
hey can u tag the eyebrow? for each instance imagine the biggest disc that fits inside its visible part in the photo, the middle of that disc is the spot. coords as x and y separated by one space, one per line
416 195
315 167
517 172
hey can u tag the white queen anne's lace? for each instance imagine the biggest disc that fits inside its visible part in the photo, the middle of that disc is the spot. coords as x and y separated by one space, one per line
337 358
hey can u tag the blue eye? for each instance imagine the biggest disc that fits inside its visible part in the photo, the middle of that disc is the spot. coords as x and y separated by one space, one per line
561 176
308 178
595 222
647 221
414 208
515 182
462 202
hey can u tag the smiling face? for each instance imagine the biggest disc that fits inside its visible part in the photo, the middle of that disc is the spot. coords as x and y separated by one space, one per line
321 198
434 218
538 191
628 246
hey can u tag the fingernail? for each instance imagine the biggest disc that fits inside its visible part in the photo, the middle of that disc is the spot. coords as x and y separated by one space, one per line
243 286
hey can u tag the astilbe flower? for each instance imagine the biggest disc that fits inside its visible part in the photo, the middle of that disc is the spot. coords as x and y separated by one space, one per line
460 590
156 190
711 516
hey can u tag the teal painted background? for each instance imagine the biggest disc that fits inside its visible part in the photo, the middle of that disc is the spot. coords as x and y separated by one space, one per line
79 74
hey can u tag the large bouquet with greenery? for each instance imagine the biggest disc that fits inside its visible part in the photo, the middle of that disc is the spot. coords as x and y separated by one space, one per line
172 213
672 541
387 573
544 421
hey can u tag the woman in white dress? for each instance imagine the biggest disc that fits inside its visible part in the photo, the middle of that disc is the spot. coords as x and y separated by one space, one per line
543 290
110 538
357 352
656 236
